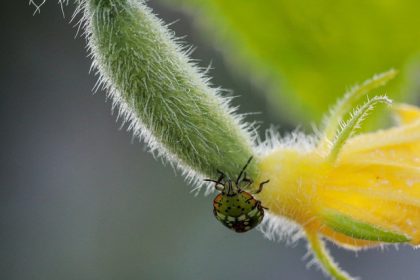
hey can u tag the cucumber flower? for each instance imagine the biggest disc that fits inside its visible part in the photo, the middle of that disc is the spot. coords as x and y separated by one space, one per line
356 191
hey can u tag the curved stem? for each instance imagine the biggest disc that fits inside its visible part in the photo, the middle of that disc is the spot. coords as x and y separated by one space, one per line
353 123
349 101
321 253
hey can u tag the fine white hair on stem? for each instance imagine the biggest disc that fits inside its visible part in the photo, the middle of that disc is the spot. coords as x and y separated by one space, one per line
296 139
37 5
278 228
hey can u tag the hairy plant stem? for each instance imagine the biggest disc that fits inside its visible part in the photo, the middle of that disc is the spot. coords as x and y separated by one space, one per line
316 244
164 96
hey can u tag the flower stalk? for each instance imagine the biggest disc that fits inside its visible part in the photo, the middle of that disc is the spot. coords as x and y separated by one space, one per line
164 96
327 263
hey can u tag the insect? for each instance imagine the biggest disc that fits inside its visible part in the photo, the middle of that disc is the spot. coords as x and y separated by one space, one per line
235 208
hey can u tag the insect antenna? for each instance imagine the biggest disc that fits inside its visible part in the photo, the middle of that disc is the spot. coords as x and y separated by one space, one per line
243 169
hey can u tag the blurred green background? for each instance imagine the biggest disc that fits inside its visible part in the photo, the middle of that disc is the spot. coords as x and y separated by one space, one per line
81 199
304 54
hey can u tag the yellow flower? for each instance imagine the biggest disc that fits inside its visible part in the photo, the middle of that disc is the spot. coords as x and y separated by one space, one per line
357 191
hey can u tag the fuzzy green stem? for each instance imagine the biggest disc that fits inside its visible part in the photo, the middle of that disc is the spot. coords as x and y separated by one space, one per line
325 260
162 93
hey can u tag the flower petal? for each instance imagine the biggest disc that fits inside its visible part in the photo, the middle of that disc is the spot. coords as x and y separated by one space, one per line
405 113
376 180
396 145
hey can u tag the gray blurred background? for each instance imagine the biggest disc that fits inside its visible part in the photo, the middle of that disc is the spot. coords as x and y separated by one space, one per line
81 199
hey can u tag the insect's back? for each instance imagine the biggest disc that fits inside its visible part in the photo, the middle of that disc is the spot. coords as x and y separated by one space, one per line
239 212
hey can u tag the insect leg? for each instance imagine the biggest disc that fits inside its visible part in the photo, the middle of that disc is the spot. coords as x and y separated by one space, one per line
222 175
261 186
248 181
218 186
210 180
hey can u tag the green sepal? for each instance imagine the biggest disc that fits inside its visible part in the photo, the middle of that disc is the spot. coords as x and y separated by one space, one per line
360 230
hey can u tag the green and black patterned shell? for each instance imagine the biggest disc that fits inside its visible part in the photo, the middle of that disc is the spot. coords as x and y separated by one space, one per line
240 212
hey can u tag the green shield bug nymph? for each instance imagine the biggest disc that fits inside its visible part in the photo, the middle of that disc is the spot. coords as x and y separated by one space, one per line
234 207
